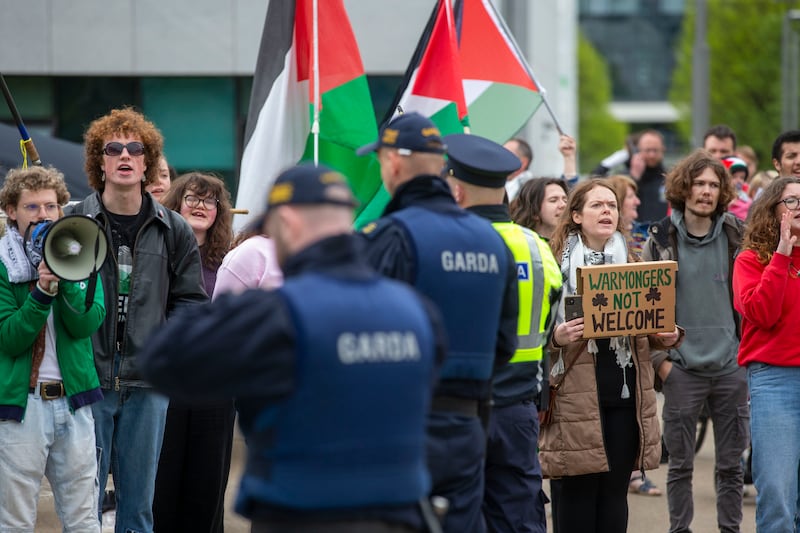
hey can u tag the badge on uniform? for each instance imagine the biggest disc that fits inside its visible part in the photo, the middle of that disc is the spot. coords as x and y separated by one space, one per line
522 271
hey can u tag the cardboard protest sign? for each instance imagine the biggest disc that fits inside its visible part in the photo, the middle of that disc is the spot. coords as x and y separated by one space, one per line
628 299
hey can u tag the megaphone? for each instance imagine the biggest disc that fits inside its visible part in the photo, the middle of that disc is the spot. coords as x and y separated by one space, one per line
73 247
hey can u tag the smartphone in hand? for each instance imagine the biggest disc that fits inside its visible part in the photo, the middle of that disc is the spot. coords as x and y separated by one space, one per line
573 307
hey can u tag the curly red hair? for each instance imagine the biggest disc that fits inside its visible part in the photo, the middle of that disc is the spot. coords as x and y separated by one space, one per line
126 122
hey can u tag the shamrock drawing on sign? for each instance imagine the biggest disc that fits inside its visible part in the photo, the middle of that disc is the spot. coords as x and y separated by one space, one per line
653 296
600 301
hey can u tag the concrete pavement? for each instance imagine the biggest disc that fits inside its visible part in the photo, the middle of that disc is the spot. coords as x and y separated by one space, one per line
647 513
47 521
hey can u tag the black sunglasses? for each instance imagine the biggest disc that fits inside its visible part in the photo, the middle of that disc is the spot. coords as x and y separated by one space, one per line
134 148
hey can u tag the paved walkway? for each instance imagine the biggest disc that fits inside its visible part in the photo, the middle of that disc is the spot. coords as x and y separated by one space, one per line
647 513
48 521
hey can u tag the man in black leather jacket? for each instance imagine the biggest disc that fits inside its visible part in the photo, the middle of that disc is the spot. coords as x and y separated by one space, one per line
152 268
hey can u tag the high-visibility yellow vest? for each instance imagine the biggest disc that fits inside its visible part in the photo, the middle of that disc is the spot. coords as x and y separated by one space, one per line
539 283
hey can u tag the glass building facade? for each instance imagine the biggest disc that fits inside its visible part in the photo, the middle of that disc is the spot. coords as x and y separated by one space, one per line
637 38
203 117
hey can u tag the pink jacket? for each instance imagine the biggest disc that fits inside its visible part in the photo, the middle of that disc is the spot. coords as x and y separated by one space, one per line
250 265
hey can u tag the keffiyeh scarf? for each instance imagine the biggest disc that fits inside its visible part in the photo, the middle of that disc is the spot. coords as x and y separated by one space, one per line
577 254
12 254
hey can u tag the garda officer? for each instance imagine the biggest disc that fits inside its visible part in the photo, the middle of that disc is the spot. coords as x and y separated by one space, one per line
513 498
332 373
460 262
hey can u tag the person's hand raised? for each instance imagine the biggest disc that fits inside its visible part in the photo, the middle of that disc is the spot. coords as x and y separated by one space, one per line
787 240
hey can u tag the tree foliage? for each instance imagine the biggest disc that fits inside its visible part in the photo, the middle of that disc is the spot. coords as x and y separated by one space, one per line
599 132
744 42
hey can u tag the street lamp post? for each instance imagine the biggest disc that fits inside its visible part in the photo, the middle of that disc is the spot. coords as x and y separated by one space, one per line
790 53
700 75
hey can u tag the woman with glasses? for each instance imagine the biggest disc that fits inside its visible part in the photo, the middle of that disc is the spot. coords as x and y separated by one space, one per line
766 289
196 453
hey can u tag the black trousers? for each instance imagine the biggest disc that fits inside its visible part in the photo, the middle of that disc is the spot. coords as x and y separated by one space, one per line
513 499
598 503
193 469
356 526
456 449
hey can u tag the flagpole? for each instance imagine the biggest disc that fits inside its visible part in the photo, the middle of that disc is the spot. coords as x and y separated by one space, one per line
315 123
27 142
527 67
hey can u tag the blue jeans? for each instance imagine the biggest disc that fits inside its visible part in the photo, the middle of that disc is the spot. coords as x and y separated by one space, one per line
50 442
129 426
775 433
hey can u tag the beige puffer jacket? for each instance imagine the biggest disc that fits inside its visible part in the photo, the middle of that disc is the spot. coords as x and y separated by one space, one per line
572 444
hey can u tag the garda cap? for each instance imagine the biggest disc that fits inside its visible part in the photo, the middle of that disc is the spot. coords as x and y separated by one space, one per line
306 184
411 132
479 161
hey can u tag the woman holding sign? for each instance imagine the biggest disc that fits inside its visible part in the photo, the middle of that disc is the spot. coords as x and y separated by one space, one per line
604 421
766 288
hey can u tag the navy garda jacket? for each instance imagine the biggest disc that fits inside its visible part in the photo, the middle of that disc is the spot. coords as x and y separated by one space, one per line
465 253
363 374
333 376
458 260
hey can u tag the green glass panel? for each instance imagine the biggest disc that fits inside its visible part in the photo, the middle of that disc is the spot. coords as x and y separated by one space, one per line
80 100
33 96
197 117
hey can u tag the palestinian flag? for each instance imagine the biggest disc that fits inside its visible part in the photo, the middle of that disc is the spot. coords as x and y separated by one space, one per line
432 85
279 120
499 87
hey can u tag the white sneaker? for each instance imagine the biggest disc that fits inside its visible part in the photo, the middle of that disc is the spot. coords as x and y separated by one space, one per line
109 521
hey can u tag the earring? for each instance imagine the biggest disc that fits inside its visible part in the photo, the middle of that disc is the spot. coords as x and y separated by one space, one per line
102 176
143 178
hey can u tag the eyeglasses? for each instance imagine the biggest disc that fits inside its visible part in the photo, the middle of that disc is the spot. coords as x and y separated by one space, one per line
792 203
195 201
134 148
33 209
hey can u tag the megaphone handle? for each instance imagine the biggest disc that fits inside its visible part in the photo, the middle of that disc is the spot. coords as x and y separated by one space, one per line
90 289
54 287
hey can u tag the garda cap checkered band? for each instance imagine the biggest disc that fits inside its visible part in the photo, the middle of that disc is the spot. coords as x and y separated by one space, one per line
306 184
479 161
411 132
309 184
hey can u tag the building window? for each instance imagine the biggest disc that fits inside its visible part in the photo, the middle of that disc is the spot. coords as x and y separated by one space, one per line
608 7
78 101
198 118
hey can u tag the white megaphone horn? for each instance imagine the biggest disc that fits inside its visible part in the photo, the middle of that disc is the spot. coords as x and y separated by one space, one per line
74 247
